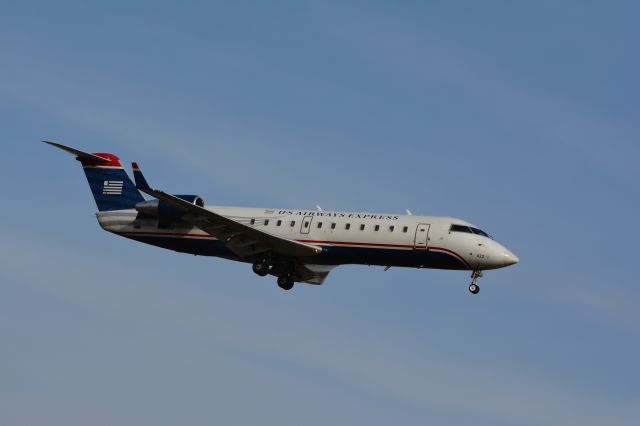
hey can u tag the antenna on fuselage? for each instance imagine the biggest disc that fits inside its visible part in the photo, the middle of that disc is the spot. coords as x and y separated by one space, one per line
319 208
408 212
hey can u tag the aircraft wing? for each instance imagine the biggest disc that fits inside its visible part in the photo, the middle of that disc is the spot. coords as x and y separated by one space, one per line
313 274
245 241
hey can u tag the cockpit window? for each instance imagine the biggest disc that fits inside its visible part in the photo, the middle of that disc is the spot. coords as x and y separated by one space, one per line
480 232
468 230
460 228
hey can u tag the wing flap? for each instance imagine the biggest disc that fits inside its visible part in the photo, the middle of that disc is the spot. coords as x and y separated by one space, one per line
313 274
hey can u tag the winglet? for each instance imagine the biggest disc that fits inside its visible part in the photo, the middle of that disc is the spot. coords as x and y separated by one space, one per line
141 182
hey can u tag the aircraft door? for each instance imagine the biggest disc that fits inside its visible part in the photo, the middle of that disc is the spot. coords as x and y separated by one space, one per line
305 226
421 240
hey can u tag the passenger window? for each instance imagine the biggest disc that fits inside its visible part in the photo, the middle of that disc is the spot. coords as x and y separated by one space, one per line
253 221
347 226
405 229
333 225
377 228
391 228
266 222
293 223
306 224
319 225
278 223
362 227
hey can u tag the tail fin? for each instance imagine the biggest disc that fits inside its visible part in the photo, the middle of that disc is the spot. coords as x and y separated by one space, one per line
139 179
111 186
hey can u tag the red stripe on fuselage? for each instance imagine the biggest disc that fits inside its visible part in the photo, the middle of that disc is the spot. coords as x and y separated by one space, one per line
356 244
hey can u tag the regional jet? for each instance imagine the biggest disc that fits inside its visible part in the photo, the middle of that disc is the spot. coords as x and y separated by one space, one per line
291 245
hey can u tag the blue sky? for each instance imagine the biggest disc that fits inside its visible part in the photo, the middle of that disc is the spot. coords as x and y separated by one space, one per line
521 117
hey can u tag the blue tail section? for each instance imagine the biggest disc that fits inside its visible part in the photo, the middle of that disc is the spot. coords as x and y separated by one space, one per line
111 186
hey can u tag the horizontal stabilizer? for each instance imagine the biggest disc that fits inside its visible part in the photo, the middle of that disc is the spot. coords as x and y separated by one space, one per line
80 154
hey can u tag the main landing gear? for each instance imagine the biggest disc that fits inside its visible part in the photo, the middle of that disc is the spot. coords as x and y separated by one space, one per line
261 268
474 288
285 282
285 277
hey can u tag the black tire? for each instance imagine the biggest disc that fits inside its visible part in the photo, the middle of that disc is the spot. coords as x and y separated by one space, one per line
285 282
261 268
474 288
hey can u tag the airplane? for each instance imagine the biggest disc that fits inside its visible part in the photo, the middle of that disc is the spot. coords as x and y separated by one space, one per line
292 245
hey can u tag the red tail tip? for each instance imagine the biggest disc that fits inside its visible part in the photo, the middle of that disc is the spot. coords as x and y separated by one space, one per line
110 160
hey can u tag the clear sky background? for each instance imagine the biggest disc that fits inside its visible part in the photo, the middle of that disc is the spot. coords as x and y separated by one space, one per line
521 117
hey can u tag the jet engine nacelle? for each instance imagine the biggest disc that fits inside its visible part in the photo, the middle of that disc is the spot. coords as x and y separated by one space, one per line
164 210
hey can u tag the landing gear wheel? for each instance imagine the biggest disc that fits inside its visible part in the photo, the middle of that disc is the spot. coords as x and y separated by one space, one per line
261 268
285 282
473 287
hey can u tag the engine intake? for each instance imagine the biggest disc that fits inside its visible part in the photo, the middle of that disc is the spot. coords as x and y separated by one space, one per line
163 210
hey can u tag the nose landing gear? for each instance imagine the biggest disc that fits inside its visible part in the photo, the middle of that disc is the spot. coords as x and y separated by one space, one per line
474 288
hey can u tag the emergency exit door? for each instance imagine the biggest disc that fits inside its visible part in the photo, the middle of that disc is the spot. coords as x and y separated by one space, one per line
305 226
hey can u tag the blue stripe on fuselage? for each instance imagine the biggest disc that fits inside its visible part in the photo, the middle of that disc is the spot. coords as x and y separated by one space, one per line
331 255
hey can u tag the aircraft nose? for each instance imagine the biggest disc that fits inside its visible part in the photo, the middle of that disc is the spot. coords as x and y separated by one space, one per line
509 258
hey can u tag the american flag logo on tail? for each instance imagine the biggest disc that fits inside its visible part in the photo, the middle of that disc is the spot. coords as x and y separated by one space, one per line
112 187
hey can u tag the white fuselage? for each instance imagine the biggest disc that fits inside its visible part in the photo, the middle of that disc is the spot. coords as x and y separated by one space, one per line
346 237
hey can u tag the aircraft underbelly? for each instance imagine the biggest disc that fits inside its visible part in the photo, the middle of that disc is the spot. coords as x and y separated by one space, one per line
331 255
